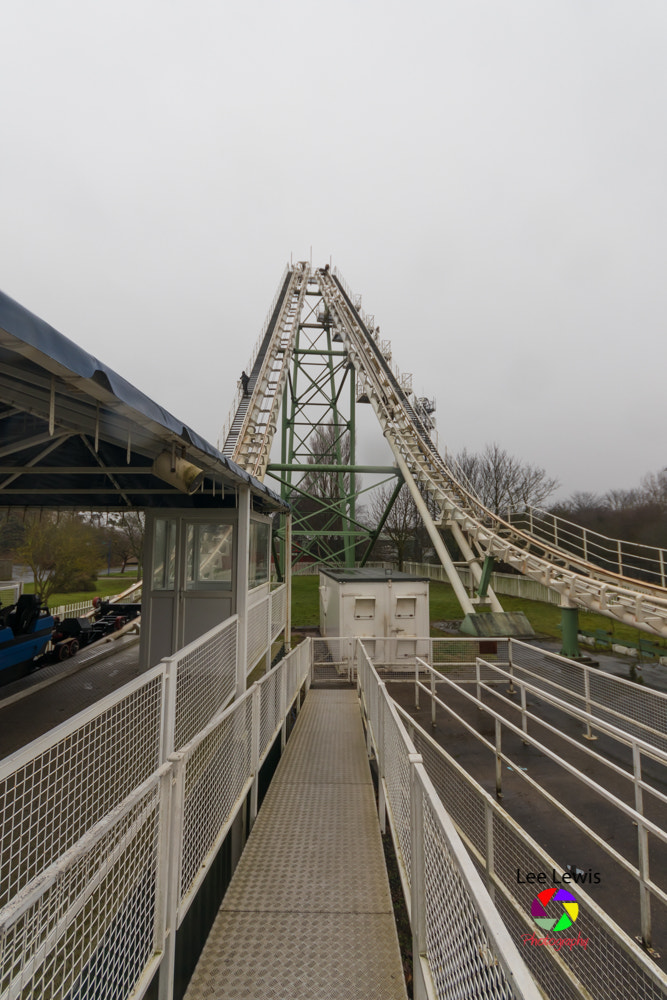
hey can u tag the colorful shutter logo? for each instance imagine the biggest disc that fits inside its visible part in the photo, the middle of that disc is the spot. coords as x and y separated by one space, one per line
555 920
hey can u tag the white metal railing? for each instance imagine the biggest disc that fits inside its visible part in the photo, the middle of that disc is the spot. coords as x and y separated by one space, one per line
226 427
566 966
498 846
10 593
461 946
84 609
266 620
101 853
639 710
596 790
629 559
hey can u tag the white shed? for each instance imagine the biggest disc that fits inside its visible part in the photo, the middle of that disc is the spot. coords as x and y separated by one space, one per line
376 605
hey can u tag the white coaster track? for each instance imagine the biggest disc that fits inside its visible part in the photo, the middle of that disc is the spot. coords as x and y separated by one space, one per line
443 498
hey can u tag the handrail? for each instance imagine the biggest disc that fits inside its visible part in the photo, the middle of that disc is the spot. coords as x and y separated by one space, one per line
593 546
636 815
226 427
431 857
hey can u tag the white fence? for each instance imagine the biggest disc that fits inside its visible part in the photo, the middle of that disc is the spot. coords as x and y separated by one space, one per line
502 583
461 947
107 832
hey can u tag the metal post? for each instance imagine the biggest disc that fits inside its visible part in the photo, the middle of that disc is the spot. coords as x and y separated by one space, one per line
269 630
589 734
418 881
524 717
478 679
490 861
254 752
432 676
288 582
242 560
169 718
642 851
499 762
570 631
283 707
173 877
416 684
382 804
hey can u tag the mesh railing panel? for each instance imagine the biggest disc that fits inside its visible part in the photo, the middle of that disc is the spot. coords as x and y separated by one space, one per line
216 771
333 658
278 611
562 973
554 670
91 930
258 631
456 657
206 680
397 780
606 967
638 710
269 710
643 711
460 956
49 799
465 807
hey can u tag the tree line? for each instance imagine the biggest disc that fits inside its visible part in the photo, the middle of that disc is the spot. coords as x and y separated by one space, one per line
65 550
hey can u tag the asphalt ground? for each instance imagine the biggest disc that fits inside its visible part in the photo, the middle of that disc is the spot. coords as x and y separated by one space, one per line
617 892
32 705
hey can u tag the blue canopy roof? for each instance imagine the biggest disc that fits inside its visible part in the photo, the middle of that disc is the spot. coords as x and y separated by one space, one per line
47 381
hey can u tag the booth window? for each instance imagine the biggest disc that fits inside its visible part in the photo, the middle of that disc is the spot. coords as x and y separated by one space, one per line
364 607
260 558
209 556
406 607
164 554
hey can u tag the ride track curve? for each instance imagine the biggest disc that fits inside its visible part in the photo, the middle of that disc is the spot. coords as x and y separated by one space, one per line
478 532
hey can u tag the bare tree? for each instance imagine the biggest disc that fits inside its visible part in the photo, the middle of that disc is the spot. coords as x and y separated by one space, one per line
402 521
654 487
502 481
329 445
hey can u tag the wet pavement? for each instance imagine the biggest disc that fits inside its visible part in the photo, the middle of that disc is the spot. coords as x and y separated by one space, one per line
33 705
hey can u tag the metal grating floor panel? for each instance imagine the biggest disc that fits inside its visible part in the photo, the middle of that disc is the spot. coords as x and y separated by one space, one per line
308 912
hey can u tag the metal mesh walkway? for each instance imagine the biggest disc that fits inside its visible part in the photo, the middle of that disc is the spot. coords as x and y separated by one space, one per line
308 912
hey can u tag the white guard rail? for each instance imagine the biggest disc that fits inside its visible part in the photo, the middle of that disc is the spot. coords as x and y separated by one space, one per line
645 795
101 855
630 559
461 946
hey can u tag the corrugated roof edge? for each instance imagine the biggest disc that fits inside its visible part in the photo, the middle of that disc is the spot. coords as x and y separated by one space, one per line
29 329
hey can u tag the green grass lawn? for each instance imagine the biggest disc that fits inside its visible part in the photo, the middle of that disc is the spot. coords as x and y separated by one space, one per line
106 586
545 618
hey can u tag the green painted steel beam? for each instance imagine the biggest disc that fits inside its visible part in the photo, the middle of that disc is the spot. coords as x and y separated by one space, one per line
485 579
326 354
385 470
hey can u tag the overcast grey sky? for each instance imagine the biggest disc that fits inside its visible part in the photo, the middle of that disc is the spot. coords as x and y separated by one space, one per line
491 176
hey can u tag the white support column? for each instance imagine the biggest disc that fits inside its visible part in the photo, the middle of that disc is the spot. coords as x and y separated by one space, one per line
288 582
438 544
242 560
